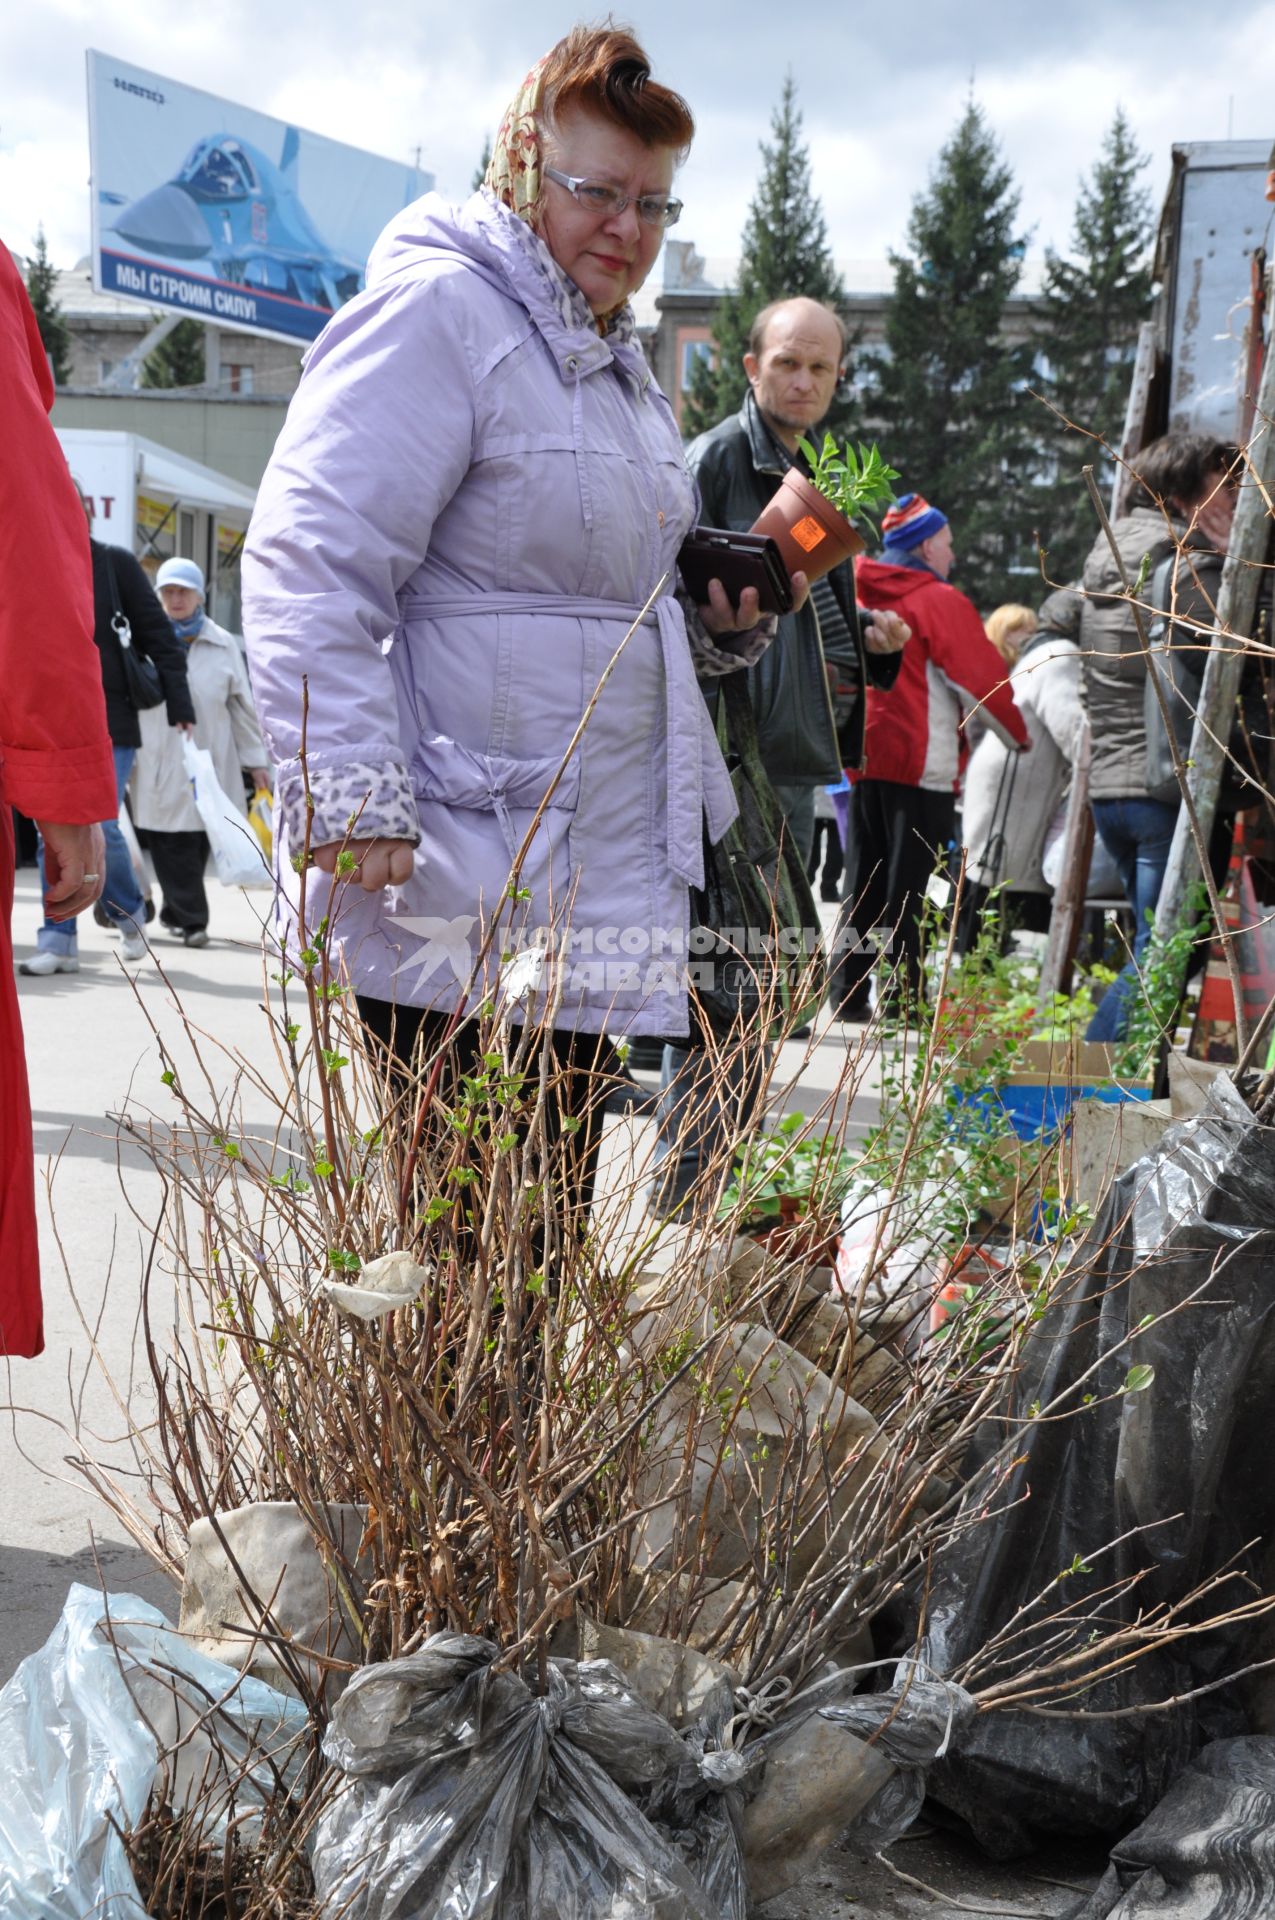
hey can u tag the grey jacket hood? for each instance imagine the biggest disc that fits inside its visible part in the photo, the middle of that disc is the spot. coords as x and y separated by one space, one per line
487 239
1060 614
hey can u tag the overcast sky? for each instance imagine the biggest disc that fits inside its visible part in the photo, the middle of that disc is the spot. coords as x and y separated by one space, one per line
880 90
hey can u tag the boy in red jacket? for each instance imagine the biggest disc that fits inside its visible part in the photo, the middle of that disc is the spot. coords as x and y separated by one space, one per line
903 802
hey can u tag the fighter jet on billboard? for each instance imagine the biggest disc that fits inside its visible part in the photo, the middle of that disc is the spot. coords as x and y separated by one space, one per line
218 228
232 209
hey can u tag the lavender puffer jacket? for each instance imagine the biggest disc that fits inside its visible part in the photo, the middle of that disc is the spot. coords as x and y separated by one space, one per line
471 499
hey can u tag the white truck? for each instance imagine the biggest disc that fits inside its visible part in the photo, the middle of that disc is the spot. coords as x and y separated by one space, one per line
155 502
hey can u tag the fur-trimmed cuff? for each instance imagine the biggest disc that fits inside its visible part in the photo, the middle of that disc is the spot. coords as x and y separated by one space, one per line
712 657
368 800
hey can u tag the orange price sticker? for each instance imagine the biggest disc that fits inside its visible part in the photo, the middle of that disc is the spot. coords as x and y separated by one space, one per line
808 533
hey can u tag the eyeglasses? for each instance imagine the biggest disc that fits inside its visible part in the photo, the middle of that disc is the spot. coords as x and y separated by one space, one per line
655 209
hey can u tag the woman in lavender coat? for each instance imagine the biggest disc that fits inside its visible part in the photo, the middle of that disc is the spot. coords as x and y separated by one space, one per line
478 488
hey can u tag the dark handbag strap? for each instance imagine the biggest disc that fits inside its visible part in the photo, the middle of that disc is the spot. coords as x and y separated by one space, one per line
974 897
994 857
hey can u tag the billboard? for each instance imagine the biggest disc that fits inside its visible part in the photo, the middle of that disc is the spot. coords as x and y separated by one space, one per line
228 215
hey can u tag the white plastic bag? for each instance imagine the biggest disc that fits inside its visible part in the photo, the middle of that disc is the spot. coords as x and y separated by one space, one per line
77 1754
236 851
906 1259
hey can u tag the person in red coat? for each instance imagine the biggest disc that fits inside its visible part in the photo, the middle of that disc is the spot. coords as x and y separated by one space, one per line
903 798
55 752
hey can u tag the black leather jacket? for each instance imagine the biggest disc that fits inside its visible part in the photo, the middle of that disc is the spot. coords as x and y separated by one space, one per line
739 466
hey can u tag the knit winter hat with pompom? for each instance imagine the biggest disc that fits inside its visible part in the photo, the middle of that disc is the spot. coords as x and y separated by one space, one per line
910 521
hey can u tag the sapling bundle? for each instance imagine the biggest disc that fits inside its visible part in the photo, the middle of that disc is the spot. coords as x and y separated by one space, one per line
373 1292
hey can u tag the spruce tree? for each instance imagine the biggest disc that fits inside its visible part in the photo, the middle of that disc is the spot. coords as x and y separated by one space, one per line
480 171
1094 304
55 335
952 405
178 360
784 252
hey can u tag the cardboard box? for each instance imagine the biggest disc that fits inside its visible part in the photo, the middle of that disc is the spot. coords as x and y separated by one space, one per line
1080 1064
1038 1102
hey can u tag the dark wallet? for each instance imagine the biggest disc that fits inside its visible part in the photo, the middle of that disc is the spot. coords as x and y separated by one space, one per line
738 560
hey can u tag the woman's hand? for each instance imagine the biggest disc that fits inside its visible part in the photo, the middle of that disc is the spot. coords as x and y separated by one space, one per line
74 868
719 617
377 863
885 632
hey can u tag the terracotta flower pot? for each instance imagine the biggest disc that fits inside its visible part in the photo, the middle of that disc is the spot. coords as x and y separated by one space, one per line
796 1235
965 1268
812 535
968 1019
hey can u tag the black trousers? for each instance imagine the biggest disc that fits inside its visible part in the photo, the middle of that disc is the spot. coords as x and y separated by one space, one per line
827 852
179 860
587 1062
897 837
1015 912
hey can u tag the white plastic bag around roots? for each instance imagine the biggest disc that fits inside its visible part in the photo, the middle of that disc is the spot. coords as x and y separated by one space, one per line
889 1249
78 1756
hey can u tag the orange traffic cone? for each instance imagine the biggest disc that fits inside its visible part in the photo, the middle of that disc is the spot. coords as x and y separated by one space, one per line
1213 1034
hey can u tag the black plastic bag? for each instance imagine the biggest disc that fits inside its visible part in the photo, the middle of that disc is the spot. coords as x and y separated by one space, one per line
1208 1850
1188 1456
470 1798
912 1726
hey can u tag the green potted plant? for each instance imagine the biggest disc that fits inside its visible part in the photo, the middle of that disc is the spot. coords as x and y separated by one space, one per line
787 1191
810 519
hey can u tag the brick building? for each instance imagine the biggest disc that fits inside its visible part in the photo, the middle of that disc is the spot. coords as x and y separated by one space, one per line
105 328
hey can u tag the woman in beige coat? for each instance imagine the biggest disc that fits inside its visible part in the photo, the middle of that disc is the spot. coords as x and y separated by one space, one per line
160 798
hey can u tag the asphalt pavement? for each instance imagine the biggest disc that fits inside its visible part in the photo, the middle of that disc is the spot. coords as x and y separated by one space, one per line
91 1051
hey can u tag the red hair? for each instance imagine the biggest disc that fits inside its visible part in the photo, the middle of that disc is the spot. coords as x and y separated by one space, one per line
606 71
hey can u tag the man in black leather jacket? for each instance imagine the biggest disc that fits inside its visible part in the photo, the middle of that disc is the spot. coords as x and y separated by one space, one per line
806 687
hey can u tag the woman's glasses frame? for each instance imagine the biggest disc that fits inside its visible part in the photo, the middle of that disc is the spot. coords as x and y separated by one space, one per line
595 196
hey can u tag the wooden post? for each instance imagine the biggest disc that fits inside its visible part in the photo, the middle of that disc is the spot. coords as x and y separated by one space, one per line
1236 606
1135 419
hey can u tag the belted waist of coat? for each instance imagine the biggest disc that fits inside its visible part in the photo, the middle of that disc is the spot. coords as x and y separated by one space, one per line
699 786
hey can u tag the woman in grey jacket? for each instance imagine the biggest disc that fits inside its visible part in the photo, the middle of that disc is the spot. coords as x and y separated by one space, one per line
1183 498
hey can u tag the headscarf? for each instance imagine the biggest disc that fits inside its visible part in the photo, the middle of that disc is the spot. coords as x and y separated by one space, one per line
513 172
514 177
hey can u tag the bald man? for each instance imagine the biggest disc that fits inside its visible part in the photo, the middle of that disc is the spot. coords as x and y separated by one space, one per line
794 364
807 689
